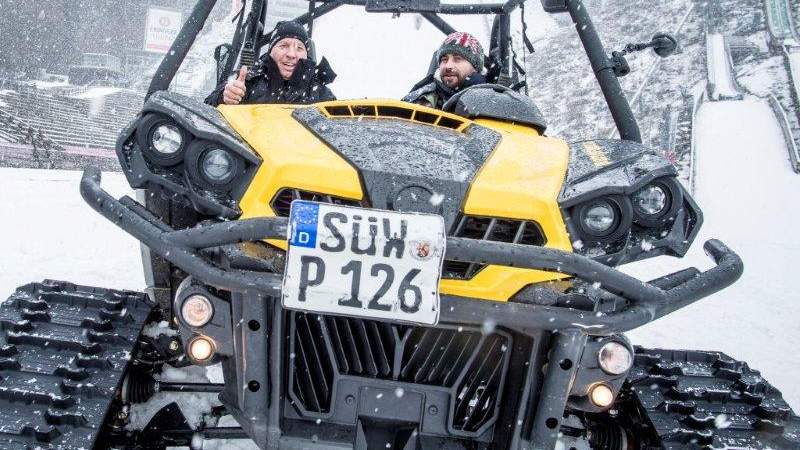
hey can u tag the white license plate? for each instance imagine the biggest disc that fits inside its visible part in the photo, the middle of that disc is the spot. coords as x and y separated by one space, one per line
364 262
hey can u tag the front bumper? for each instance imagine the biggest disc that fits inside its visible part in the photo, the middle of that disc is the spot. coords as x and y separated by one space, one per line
645 301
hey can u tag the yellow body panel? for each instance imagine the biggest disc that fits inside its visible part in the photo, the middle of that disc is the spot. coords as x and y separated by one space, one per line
521 179
293 157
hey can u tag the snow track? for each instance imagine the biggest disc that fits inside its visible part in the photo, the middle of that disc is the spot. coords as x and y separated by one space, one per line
721 82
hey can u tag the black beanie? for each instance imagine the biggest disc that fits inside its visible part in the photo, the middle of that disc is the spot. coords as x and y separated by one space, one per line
288 29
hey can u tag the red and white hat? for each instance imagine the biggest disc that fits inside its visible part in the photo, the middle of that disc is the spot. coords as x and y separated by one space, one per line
465 45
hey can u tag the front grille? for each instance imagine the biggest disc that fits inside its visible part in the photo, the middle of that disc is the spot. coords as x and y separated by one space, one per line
525 232
465 361
282 202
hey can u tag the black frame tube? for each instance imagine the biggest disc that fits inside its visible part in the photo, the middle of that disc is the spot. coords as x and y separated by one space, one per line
180 48
438 22
648 301
164 386
604 72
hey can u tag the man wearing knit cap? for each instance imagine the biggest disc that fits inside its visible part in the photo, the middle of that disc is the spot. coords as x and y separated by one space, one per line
460 66
283 75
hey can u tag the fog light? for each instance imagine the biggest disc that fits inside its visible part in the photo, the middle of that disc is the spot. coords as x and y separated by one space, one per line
197 311
167 139
601 395
615 358
201 349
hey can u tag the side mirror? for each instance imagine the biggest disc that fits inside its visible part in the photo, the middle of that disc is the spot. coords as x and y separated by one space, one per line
663 44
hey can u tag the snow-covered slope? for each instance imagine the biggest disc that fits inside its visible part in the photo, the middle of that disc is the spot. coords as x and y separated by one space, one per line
747 191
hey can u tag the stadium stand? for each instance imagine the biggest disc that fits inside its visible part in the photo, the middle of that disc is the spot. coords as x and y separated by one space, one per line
63 127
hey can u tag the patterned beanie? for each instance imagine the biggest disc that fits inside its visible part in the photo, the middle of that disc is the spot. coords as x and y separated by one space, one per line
464 45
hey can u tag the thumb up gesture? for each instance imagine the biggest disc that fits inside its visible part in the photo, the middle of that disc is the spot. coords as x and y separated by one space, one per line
235 90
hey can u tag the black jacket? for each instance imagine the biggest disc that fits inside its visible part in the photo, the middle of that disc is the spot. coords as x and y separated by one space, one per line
432 92
265 85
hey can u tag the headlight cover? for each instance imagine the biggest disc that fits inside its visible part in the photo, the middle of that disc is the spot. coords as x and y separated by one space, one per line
217 166
163 141
614 358
650 200
603 219
166 139
657 203
197 310
599 217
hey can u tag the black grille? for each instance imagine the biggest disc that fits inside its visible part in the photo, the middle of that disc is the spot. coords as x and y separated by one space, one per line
472 365
525 232
283 200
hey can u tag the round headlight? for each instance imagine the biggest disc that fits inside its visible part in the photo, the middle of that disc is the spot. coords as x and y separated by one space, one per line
599 218
650 200
197 311
166 139
614 358
217 165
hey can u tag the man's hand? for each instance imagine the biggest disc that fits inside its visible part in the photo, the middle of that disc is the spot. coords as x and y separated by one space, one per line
235 90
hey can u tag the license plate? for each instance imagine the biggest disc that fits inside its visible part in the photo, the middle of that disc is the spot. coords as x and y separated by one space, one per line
364 262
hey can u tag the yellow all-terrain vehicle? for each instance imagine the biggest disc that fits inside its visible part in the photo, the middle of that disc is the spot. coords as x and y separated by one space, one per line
374 274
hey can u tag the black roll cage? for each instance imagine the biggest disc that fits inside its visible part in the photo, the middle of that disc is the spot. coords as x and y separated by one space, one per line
248 42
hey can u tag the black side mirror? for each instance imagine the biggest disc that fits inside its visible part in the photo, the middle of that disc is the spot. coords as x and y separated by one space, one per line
663 44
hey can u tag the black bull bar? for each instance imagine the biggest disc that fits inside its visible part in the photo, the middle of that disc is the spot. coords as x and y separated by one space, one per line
647 301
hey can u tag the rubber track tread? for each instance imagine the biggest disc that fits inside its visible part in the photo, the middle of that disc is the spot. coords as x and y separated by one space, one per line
705 400
63 350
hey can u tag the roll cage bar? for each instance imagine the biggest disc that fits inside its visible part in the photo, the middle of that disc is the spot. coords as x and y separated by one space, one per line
250 37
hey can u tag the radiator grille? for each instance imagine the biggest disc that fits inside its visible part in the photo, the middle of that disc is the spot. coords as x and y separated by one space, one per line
472 365
525 232
283 200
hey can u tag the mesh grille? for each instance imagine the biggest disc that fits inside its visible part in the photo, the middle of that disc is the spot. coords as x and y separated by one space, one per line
525 232
469 363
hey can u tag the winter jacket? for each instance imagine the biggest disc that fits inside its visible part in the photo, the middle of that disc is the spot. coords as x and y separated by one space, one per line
432 92
265 85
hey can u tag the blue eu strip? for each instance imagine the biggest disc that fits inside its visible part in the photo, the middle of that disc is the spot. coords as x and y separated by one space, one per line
303 219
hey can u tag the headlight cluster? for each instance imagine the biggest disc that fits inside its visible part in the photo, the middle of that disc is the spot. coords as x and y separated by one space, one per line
164 143
608 218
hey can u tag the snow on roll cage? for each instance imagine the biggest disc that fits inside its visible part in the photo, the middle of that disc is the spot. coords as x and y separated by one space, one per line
646 301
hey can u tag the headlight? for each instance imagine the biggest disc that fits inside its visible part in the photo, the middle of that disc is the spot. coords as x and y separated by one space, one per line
599 217
614 358
166 139
650 200
217 166
657 203
162 140
197 311
603 219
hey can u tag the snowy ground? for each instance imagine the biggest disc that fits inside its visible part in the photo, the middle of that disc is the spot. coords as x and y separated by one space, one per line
748 193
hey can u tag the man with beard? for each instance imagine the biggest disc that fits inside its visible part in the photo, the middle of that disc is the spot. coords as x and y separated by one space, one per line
460 66
283 75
